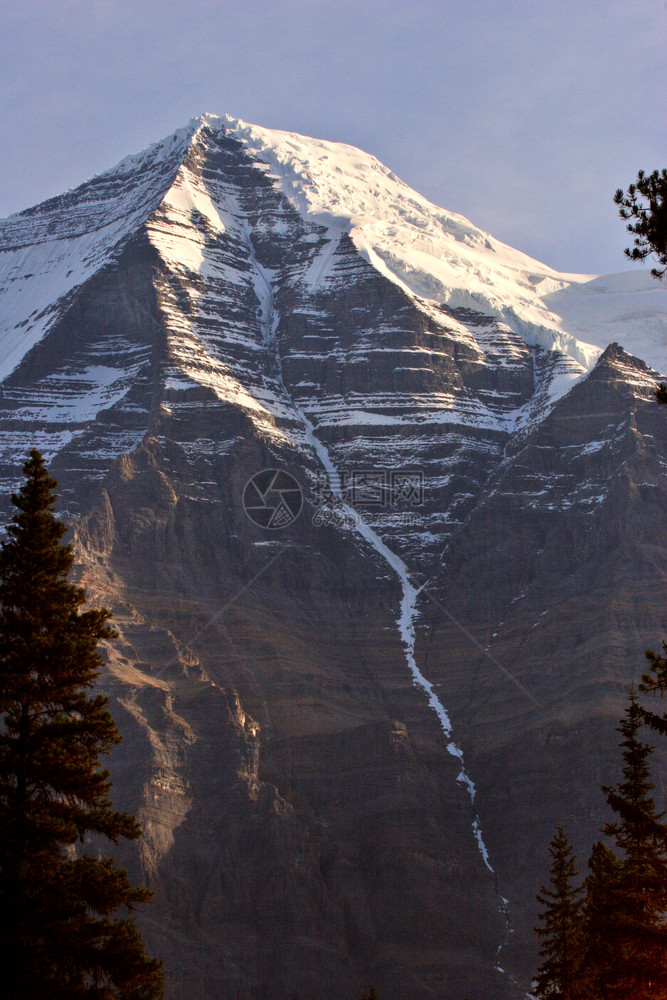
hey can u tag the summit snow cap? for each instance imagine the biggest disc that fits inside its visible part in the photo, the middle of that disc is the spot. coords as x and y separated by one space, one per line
438 258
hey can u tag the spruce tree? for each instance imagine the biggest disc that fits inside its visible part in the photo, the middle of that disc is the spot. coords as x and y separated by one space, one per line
560 927
66 929
633 924
655 682
644 208
602 888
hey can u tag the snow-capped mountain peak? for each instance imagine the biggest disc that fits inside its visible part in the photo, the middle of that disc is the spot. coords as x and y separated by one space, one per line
435 256
394 708
441 257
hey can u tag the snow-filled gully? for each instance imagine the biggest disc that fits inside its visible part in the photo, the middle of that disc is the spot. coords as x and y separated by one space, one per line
406 625
410 593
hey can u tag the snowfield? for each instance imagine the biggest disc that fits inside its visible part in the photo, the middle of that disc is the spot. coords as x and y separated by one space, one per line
438 257
441 257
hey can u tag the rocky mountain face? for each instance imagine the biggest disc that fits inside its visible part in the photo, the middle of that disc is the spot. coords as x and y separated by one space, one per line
349 734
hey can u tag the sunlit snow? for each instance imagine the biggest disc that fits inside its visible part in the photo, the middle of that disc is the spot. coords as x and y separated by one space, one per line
440 256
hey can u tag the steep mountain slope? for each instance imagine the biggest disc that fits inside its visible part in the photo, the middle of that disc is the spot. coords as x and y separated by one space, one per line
342 739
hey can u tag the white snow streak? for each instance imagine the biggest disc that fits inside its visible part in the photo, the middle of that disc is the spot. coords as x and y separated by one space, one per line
405 621
264 290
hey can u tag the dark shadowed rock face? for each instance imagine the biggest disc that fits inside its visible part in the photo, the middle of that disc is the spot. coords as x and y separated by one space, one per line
560 566
316 817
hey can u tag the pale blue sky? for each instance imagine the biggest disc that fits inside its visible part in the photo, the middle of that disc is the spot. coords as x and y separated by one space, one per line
524 116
